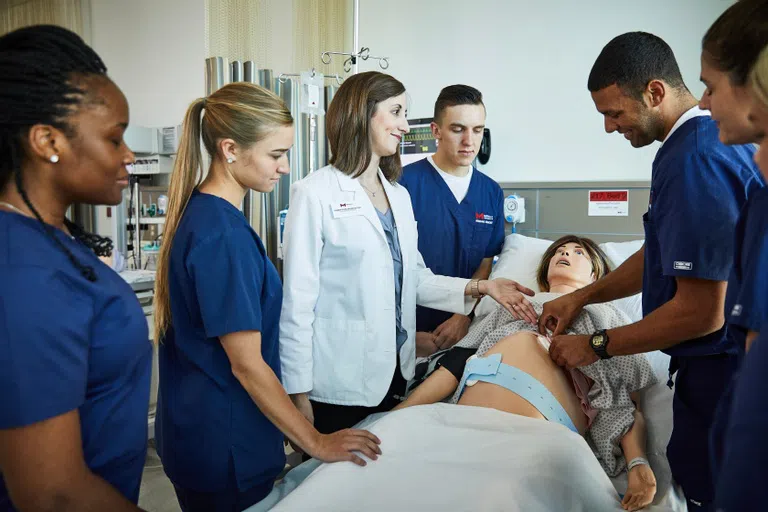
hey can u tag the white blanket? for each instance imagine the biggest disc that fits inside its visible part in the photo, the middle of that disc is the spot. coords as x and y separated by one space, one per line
445 457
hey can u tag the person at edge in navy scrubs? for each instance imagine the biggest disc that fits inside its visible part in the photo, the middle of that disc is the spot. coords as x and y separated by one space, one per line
221 410
741 479
75 354
729 50
459 210
698 187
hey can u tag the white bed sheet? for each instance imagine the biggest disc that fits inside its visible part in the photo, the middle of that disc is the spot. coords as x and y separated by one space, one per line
448 457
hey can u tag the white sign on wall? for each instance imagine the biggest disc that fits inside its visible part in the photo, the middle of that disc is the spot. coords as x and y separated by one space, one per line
608 203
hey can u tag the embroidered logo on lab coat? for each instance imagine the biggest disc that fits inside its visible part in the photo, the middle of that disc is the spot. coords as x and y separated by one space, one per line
683 265
482 218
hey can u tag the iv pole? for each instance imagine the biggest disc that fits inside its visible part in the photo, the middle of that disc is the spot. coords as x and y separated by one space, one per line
355 31
350 64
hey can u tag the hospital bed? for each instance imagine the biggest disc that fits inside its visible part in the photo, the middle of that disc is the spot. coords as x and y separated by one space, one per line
447 458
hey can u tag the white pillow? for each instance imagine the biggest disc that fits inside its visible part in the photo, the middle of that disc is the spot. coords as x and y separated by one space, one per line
520 258
518 261
618 253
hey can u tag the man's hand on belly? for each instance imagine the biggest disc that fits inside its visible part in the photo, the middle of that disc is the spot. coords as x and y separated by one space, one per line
572 351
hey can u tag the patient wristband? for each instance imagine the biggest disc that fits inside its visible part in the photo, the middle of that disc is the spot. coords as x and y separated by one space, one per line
637 461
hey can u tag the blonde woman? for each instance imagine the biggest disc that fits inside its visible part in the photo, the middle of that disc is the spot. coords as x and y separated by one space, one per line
741 476
222 412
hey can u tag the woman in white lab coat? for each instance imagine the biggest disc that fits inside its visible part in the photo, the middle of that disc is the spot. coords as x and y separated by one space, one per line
353 274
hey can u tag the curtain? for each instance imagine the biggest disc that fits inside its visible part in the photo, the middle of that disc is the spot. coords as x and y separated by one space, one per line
22 13
238 29
322 25
284 35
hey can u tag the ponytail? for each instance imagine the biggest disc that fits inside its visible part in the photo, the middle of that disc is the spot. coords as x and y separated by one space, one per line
243 112
187 174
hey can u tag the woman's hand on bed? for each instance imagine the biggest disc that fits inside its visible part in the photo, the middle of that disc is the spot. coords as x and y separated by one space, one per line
641 489
451 331
344 446
511 295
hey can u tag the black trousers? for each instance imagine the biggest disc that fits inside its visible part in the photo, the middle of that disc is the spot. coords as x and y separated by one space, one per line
330 418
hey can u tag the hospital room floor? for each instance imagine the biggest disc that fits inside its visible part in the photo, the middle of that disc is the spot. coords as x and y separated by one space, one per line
157 494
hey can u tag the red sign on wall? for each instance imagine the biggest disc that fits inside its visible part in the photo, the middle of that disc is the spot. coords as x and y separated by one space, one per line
608 203
609 195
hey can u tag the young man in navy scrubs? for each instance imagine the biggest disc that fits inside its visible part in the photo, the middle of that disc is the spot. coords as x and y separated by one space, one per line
698 187
459 209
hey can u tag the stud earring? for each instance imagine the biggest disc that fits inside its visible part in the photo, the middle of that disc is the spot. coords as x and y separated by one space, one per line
54 159
230 160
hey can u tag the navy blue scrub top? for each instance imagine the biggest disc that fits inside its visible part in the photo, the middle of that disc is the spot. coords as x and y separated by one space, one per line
220 281
454 237
741 480
746 305
698 187
70 344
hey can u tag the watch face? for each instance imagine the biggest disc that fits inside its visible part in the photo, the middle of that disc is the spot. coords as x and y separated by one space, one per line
597 340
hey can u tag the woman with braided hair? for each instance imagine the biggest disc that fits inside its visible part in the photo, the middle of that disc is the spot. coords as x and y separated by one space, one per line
75 354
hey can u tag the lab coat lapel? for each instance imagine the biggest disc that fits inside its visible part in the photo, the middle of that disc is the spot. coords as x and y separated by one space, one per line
351 185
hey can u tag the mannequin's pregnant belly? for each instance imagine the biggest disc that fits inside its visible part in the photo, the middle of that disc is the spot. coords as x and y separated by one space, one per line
523 351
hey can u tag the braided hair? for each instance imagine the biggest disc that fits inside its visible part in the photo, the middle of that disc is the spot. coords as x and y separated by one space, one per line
40 68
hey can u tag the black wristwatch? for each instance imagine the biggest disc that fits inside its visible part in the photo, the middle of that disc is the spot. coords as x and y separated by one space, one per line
599 343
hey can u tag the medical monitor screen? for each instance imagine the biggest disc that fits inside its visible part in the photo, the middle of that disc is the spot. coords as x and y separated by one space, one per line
419 143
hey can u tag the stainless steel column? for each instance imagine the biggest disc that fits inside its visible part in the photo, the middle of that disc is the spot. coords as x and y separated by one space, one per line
252 200
250 72
267 79
216 74
236 71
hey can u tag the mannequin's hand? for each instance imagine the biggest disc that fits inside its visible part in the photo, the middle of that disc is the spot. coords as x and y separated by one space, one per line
641 489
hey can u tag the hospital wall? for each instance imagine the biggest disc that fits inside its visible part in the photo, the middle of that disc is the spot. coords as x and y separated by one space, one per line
531 61
155 51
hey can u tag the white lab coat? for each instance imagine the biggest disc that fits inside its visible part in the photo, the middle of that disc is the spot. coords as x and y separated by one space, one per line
337 327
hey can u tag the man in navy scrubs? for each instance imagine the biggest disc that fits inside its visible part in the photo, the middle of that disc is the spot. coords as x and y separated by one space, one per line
459 209
698 187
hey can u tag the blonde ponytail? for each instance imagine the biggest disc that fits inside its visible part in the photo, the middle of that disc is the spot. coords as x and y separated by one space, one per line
187 173
243 112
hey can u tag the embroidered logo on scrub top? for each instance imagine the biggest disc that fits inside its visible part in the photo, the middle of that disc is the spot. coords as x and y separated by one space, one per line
736 311
683 265
482 218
